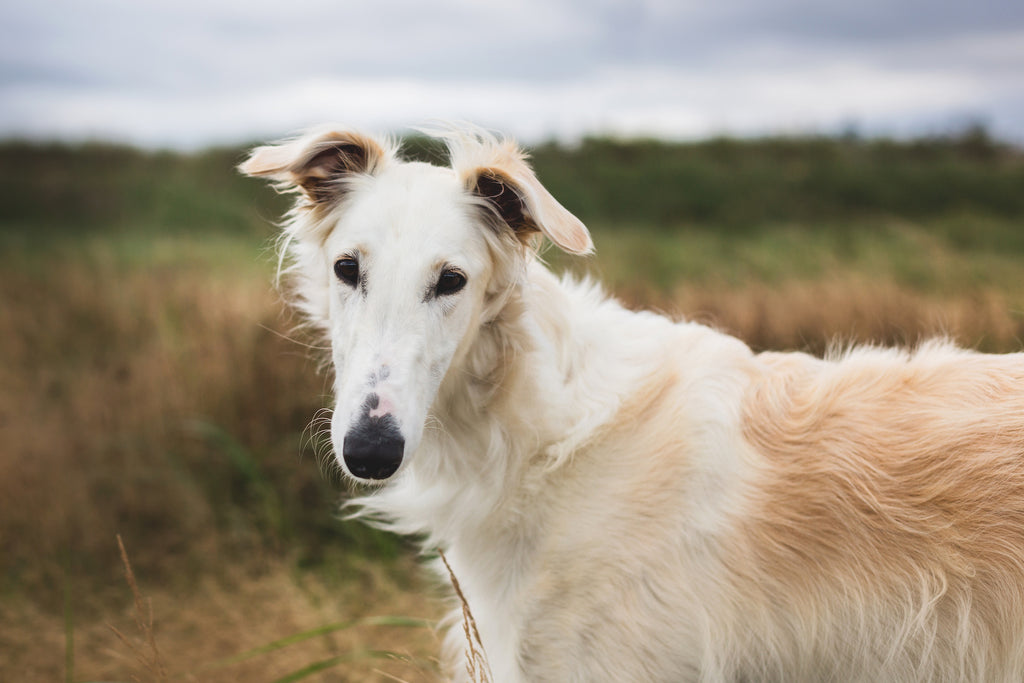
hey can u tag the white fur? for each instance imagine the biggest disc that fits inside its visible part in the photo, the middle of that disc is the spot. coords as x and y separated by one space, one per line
619 495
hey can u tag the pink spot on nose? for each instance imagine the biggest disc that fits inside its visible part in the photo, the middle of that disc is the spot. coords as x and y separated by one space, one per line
382 408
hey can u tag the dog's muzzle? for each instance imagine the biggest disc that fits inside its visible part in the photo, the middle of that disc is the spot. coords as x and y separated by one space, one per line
374 446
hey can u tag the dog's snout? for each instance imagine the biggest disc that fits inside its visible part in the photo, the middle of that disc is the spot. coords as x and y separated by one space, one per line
373 451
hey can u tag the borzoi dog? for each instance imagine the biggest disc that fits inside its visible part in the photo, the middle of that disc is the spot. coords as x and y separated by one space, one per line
627 498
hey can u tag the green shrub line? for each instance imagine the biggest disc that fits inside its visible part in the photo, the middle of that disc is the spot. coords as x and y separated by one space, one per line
733 184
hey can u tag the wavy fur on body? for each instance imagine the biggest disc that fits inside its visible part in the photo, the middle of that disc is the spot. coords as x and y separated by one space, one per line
627 498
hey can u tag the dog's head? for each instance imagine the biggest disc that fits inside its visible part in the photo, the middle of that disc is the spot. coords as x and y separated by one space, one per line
400 264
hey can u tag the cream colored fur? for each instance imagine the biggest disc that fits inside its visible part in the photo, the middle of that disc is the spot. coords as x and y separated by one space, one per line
627 498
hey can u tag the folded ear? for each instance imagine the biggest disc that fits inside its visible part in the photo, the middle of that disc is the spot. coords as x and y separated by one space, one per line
318 164
497 173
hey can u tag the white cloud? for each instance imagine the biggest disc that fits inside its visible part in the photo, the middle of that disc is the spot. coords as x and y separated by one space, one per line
194 72
622 101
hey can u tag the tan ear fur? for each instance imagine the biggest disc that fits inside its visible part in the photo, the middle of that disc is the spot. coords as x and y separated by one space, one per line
315 163
497 172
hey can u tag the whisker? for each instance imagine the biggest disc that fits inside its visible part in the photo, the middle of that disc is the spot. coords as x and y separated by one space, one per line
434 423
317 436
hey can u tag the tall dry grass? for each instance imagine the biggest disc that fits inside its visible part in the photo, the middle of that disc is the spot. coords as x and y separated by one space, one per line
199 630
815 316
104 370
163 400
158 396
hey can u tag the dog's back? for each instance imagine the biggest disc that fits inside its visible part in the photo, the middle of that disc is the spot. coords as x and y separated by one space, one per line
785 518
886 516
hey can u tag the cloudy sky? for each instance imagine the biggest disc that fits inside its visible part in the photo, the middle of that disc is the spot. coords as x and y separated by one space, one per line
188 73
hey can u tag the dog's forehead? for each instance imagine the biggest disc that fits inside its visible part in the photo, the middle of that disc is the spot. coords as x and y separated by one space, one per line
413 206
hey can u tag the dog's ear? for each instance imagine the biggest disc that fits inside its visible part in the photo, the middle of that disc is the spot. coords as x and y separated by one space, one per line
318 164
497 173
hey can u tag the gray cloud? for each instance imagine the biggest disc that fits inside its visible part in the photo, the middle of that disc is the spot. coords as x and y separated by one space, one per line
186 72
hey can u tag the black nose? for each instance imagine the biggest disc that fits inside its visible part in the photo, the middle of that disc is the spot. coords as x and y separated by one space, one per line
373 451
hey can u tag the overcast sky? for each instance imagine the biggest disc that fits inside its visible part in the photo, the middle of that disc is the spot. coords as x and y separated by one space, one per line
189 73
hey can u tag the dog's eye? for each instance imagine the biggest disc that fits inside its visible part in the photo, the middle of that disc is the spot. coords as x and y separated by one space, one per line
347 270
450 282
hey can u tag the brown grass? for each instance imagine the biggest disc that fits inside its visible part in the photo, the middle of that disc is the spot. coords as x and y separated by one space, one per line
146 653
196 629
106 367
815 315
107 364
103 372
477 667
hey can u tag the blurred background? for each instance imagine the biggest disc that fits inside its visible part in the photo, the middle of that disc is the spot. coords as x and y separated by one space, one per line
801 174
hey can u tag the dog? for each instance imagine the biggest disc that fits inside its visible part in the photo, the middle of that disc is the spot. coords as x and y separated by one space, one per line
624 497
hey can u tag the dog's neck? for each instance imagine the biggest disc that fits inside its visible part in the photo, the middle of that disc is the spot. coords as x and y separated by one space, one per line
518 406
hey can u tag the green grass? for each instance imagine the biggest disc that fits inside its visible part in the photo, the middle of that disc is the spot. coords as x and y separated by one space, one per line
734 185
742 184
61 189
940 257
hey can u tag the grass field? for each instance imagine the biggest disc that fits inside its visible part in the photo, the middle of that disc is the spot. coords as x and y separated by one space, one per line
152 386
